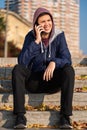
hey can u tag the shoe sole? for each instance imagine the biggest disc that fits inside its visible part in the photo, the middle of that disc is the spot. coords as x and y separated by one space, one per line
20 126
66 127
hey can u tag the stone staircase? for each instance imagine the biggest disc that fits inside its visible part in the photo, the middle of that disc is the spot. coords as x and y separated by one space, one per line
48 117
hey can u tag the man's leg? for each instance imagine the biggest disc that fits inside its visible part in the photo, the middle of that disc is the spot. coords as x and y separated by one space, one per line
19 75
67 88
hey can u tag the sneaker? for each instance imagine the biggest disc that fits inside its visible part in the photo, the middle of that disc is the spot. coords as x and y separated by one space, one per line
20 122
65 122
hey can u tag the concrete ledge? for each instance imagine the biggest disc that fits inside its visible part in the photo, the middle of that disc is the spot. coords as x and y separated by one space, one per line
80 70
6 85
6 72
51 118
48 99
7 61
13 60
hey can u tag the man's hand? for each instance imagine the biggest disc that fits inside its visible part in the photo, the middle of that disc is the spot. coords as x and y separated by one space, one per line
48 74
38 30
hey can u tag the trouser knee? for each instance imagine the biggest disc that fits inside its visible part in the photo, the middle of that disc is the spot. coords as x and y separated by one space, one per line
16 69
20 70
69 71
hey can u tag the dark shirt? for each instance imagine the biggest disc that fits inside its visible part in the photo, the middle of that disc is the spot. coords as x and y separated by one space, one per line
45 41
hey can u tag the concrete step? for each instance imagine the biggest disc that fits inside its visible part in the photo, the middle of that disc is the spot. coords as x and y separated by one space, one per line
13 60
8 61
1 128
5 72
81 70
6 85
38 117
46 118
79 98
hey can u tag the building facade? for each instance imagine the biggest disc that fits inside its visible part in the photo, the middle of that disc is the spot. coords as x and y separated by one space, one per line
17 28
65 13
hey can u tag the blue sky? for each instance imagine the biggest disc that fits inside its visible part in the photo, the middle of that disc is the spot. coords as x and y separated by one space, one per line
83 24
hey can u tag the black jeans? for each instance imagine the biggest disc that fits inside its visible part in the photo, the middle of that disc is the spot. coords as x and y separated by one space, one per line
23 78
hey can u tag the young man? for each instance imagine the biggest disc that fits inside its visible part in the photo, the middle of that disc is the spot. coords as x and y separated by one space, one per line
44 66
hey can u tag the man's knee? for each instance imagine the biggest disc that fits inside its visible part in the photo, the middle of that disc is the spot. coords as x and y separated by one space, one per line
16 69
69 71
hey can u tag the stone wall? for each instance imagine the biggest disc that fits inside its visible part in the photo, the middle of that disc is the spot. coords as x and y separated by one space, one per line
18 27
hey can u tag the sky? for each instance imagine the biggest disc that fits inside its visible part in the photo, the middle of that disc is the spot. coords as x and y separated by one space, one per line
83 24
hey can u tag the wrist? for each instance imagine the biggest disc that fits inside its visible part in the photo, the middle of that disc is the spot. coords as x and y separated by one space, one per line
53 62
37 41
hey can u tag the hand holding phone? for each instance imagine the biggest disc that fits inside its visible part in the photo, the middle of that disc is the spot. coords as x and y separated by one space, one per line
38 29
